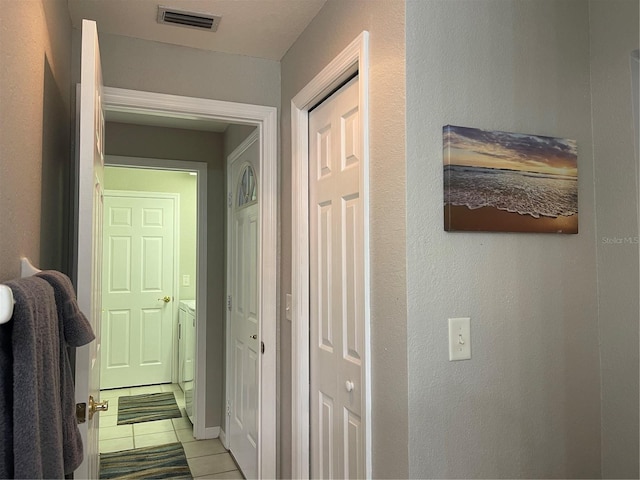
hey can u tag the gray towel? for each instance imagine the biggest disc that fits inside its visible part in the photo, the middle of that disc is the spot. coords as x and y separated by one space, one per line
35 355
75 331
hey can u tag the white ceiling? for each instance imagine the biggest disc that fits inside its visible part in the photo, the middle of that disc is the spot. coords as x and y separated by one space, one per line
256 28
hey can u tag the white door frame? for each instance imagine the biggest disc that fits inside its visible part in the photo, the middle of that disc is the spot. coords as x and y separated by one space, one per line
201 255
175 255
353 59
265 118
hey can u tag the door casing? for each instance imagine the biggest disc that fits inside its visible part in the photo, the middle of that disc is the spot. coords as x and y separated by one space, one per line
353 59
265 119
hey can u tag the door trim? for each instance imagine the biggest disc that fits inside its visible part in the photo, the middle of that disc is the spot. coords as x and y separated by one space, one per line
266 119
175 254
353 59
239 150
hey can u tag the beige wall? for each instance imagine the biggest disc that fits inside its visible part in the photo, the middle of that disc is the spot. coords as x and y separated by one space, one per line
528 403
615 33
159 67
197 146
335 26
35 126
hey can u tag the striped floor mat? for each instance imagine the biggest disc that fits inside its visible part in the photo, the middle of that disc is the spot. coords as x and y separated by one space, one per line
147 407
164 461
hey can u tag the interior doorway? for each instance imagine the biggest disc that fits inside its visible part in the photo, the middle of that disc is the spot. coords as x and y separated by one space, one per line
262 121
94 101
186 183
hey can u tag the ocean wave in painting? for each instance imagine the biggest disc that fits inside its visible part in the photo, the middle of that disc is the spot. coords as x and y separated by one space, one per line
526 193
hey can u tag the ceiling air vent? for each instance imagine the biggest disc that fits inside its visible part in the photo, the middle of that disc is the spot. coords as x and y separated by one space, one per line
201 21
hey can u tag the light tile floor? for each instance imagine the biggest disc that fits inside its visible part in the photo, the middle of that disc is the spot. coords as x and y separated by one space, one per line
206 458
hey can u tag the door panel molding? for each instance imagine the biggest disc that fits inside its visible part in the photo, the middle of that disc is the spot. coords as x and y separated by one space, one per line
353 59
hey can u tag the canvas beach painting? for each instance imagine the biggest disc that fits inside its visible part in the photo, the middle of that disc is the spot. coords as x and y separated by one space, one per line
509 182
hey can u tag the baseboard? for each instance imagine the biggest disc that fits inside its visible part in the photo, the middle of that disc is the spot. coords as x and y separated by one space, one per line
212 432
223 438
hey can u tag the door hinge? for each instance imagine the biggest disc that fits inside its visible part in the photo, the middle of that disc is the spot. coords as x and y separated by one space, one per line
229 199
229 408
229 302
262 346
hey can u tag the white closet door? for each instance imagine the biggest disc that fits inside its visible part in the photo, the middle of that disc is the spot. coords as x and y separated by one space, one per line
336 287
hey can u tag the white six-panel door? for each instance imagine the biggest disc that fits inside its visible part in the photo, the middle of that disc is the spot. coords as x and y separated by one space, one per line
336 260
137 325
89 241
243 303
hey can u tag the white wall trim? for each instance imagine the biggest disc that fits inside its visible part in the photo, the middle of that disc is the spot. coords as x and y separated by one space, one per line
223 439
239 150
265 118
354 58
212 432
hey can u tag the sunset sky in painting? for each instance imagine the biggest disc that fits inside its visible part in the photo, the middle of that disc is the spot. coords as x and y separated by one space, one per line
513 151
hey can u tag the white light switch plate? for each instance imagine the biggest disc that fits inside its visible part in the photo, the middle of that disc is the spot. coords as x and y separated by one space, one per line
459 339
186 280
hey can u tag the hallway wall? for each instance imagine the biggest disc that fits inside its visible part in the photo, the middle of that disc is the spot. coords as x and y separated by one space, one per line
615 33
527 404
159 67
35 127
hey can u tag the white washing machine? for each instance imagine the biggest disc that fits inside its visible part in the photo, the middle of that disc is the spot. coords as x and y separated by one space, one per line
186 352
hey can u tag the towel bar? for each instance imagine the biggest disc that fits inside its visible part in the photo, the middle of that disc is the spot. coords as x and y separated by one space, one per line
6 295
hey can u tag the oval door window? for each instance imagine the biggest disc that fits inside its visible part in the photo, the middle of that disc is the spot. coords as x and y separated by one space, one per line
247 187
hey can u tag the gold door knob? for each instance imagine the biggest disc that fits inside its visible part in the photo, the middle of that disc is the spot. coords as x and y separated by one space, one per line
165 299
254 336
97 406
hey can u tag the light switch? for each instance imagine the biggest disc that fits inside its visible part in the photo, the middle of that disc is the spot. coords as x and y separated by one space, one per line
459 338
186 280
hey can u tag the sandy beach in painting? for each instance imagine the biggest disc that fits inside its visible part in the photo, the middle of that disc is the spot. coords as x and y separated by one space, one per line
490 219
506 182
